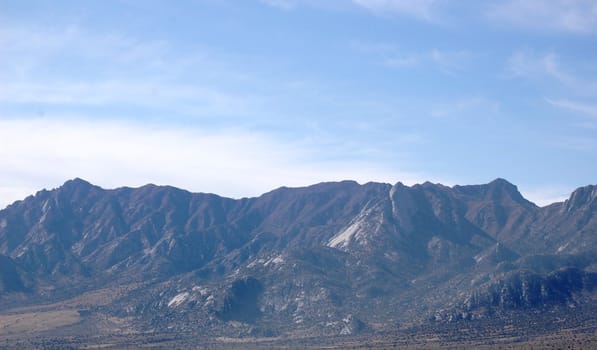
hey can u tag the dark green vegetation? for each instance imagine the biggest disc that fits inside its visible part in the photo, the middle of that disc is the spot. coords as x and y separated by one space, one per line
334 265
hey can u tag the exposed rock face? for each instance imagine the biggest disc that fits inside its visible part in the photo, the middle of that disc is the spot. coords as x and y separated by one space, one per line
302 257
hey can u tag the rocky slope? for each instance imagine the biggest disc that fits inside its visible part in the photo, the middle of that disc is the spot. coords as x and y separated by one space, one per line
333 258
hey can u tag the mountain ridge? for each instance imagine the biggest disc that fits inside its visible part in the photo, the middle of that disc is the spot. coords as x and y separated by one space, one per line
80 181
298 258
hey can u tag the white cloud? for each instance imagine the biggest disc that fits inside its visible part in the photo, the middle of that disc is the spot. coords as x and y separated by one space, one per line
420 9
40 153
196 100
283 4
43 153
574 16
112 70
525 64
288 5
402 61
461 108
391 55
587 109
451 61
575 143
448 62
529 65
28 49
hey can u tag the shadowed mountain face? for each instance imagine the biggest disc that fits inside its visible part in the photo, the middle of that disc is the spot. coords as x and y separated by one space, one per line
332 258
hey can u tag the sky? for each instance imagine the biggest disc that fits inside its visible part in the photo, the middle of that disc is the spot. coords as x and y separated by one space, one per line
238 97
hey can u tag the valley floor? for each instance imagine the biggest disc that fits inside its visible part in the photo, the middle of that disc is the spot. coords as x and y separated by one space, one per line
563 340
65 329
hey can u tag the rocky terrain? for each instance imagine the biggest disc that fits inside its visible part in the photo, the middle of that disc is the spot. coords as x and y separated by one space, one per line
332 259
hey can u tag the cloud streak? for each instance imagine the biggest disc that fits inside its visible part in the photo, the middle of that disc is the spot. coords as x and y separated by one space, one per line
189 99
420 9
572 16
477 105
40 153
70 67
391 55
532 66
568 16
282 4
583 108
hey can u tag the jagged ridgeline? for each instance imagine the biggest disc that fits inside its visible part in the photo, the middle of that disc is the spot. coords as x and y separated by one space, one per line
332 258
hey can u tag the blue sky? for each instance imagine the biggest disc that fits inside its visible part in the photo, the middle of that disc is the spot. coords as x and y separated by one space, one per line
240 97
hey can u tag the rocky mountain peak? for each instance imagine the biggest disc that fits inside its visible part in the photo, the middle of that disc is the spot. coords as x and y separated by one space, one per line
498 190
582 196
502 188
76 184
75 190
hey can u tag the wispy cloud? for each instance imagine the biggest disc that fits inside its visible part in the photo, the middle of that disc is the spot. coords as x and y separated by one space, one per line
478 105
402 61
530 65
571 16
283 4
583 108
72 67
451 61
288 5
27 49
574 16
447 61
576 143
420 9
39 153
197 101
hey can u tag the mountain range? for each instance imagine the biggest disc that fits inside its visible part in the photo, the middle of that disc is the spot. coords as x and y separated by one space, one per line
334 258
